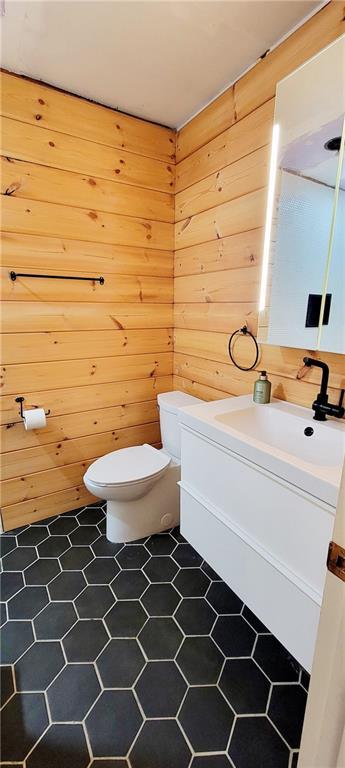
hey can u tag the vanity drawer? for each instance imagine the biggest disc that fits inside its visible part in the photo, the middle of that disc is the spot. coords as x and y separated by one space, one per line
286 610
293 528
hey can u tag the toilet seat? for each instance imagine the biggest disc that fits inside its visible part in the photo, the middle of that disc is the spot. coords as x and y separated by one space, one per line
128 466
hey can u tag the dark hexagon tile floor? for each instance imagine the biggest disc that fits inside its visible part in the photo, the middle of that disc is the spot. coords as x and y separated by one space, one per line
135 656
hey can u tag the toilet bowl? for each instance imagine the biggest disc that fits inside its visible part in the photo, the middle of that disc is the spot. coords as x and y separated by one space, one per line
140 484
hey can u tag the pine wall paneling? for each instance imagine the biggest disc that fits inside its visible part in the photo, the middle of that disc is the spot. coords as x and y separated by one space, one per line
86 191
221 187
89 191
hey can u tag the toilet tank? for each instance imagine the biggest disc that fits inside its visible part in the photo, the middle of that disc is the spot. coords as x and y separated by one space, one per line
169 404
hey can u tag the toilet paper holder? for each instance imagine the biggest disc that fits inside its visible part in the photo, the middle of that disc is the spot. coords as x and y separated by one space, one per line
20 400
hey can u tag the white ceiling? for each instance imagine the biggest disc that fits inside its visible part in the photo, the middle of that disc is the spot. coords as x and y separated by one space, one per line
160 60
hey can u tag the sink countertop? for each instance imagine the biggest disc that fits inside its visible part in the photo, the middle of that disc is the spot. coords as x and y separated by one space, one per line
272 436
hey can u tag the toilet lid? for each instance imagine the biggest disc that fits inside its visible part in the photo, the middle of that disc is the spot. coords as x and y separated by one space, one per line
128 465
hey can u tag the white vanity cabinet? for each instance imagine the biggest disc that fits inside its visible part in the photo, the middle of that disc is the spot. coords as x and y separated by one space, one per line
265 536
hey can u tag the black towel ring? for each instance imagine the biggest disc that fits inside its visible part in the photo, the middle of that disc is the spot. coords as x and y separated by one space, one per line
246 332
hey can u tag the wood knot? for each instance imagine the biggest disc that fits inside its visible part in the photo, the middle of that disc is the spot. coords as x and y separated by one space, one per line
12 188
302 371
38 117
41 101
117 170
51 144
117 323
92 182
92 215
186 224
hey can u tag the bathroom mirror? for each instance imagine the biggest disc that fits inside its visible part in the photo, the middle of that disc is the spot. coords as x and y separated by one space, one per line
332 335
302 293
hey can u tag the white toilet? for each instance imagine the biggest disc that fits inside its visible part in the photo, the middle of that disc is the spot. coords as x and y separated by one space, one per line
140 483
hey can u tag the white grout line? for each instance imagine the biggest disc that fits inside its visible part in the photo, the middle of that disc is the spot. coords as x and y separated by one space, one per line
88 744
173 617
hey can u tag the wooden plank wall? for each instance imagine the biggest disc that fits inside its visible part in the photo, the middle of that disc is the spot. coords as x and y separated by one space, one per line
90 191
86 191
221 178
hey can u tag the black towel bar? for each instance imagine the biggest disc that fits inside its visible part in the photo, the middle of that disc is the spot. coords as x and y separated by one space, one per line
14 275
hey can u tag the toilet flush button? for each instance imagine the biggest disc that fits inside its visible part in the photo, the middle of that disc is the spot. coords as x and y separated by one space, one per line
166 520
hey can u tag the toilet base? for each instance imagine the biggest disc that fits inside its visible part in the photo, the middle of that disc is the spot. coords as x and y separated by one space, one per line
158 510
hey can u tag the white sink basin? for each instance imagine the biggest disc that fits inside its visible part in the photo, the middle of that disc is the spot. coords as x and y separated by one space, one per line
273 436
284 429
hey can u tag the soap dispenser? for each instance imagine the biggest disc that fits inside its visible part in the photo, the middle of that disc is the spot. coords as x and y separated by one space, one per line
262 389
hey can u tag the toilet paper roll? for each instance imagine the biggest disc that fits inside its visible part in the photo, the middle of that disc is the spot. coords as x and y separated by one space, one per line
34 418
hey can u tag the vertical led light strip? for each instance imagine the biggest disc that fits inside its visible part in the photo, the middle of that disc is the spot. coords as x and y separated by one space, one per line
269 216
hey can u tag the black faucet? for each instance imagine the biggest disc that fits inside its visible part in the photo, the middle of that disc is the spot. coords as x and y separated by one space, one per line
321 407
